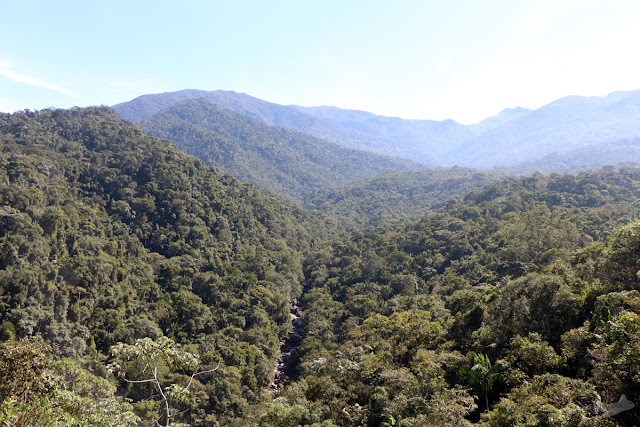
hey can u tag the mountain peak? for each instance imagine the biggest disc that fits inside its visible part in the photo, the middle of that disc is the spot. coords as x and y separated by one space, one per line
498 120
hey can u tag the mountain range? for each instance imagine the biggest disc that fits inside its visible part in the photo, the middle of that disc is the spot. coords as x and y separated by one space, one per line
562 126
145 106
513 137
427 141
282 160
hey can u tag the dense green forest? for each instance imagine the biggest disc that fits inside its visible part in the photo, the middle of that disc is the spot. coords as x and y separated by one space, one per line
140 286
107 236
518 305
402 195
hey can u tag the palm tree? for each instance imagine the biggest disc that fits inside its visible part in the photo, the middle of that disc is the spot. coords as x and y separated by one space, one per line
393 422
482 375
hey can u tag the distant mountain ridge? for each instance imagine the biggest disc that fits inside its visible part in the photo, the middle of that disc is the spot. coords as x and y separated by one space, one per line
590 157
284 161
493 122
513 137
562 126
145 106
416 139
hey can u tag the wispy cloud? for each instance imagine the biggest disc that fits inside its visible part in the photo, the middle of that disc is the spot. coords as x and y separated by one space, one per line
23 78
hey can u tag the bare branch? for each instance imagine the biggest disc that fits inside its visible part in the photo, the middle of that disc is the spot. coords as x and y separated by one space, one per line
199 373
166 402
181 412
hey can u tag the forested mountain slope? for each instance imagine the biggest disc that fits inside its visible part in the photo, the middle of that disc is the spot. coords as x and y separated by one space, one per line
136 282
145 106
515 136
524 294
401 195
568 124
284 161
108 235
421 140
587 158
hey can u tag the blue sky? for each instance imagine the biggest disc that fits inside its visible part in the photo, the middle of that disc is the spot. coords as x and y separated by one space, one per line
460 59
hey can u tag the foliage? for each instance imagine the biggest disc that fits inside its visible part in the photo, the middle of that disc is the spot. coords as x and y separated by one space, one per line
37 390
401 195
482 375
145 358
548 399
512 272
108 236
113 239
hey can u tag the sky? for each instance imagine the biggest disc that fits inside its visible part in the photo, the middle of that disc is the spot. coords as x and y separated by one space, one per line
423 59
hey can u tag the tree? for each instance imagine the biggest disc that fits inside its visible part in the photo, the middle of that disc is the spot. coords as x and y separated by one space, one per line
36 390
548 400
482 375
535 236
23 367
146 358
622 263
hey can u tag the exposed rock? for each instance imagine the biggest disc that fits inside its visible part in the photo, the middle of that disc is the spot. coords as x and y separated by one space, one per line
285 369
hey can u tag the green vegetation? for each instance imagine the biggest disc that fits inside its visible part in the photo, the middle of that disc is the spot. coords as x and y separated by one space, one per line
535 274
140 286
108 236
482 374
36 390
402 195
145 358
359 188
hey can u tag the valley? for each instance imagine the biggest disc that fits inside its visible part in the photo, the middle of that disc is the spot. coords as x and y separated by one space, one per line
287 364
320 214
224 261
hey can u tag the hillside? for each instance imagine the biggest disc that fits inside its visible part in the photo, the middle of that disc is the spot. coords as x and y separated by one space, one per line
414 139
140 286
513 137
562 126
281 160
108 235
287 117
401 195
528 284
587 158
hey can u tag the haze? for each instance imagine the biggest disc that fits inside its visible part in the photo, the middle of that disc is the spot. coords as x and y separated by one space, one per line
464 60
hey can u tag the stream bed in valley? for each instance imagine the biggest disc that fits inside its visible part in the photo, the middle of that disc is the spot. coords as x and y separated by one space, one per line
285 369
